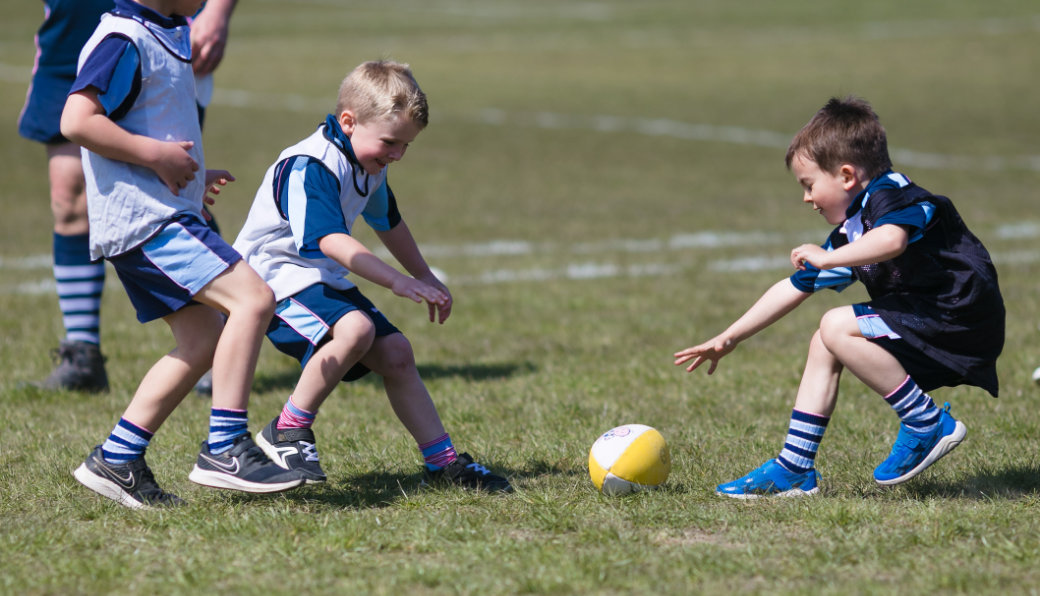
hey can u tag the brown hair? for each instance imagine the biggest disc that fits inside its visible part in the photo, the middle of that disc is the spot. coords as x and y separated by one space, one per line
845 131
381 88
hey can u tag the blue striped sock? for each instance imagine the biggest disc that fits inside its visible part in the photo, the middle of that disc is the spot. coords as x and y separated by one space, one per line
126 443
80 283
224 427
803 439
914 407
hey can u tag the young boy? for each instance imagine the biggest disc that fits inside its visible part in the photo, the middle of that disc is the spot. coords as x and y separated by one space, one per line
132 109
80 281
935 316
298 237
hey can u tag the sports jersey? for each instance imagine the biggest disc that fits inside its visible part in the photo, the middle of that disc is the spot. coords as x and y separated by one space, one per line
67 24
941 294
139 62
315 188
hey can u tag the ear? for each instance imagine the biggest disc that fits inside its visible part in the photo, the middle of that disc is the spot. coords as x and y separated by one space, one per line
850 175
347 121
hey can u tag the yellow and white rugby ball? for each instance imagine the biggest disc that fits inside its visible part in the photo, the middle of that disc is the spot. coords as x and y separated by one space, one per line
629 458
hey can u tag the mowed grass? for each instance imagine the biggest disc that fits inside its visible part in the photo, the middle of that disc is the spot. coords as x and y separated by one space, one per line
602 184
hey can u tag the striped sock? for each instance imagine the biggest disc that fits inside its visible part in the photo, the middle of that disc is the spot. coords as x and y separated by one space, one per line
224 427
438 452
803 439
914 407
80 283
126 443
295 417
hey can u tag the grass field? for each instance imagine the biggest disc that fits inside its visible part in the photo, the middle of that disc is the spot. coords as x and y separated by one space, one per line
602 184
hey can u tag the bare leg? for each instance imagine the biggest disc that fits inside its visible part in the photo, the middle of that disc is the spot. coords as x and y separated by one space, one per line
818 390
249 304
68 189
351 338
391 357
196 329
871 363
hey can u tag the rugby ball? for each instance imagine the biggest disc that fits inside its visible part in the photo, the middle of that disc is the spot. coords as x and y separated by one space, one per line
629 458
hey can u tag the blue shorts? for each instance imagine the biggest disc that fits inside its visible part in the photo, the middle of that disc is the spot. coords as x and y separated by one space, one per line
302 321
162 275
926 372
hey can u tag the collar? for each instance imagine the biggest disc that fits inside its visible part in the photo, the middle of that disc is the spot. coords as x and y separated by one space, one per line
129 8
334 134
888 180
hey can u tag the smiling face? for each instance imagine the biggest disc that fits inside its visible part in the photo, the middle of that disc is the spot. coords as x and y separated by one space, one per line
379 142
830 194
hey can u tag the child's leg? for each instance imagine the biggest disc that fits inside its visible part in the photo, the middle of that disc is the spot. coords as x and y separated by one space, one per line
927 432
351 338
79 280
391 358
196 330
117 468
249 304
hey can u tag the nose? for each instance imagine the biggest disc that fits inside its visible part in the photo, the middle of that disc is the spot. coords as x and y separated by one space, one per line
397 154
806 197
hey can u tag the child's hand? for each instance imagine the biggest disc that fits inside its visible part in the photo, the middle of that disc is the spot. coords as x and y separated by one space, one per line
439 312
214 180
417 291
174 165
711 350
808 253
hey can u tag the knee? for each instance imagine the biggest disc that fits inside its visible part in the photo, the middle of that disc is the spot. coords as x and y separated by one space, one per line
394 356
830 331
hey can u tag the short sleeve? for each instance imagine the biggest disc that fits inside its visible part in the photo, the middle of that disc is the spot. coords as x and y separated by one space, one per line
114 69
381 211
308 198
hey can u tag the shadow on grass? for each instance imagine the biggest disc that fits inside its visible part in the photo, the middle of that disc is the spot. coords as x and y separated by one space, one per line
377 490
1009 483
286 379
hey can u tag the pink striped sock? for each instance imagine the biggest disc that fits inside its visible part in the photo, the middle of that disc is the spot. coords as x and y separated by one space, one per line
294 417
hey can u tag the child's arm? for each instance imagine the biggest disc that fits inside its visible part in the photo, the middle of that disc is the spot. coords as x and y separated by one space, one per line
880 244
85 123
401 244
354 256
776 302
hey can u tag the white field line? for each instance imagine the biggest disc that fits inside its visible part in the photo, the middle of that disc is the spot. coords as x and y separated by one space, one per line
577 266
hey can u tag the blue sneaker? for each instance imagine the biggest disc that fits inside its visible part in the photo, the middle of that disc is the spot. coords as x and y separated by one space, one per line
769 480
913 451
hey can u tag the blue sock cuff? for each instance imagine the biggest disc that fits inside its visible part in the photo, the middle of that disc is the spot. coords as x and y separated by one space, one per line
72 250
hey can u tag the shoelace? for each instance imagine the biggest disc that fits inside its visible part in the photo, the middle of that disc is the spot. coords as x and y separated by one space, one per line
310 452
479 469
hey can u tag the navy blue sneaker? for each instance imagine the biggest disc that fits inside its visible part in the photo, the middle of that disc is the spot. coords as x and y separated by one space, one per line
913 452
771 480
244 467
131 484
292 449
466 473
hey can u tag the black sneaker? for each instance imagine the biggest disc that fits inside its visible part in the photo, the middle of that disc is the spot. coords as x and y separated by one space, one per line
81 367
131 484
466 473
292 449
244 467
204 386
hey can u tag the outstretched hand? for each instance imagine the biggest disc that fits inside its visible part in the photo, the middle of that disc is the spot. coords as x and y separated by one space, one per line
418 291
710 351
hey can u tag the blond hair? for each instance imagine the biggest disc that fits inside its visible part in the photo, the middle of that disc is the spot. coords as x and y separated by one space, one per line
379 89
845 131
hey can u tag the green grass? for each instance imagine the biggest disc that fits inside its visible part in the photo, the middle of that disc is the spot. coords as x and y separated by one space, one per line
540 356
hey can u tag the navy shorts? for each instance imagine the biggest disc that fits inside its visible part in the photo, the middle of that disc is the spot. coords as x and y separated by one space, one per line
926 372
162 275
302 321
